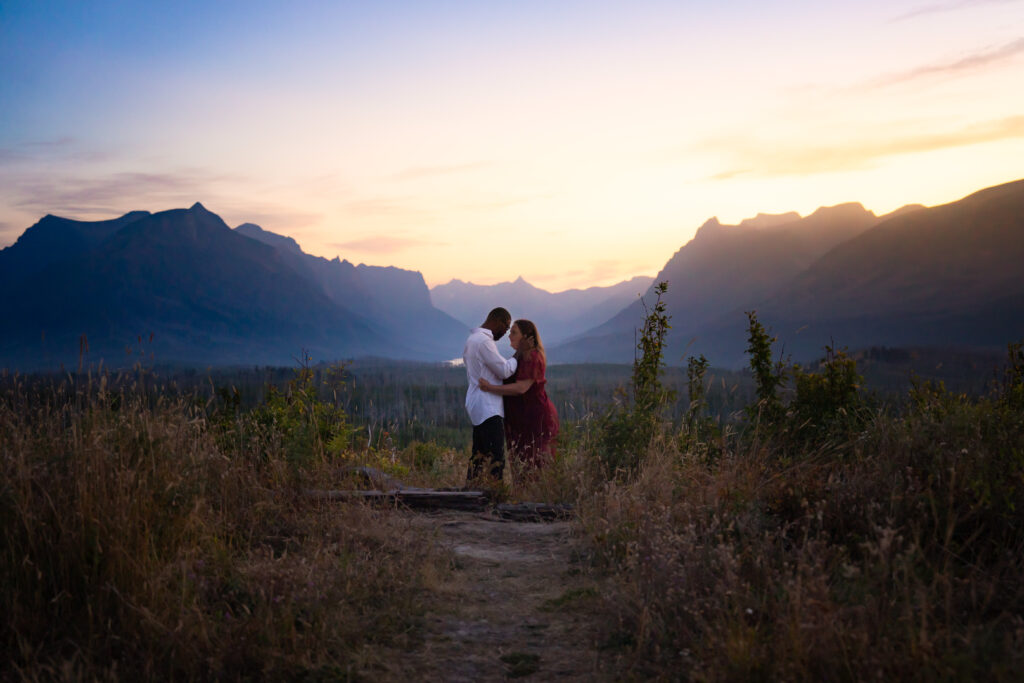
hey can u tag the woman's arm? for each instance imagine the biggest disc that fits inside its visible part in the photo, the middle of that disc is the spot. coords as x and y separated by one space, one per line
517 388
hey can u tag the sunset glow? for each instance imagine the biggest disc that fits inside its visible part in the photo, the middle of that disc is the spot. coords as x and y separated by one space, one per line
572 143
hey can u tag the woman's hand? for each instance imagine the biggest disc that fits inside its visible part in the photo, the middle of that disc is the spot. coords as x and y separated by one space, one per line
485 385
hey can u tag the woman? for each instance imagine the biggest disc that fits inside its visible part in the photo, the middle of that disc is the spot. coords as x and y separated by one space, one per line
531 421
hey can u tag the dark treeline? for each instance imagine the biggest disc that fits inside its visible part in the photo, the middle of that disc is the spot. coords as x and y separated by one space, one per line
411 401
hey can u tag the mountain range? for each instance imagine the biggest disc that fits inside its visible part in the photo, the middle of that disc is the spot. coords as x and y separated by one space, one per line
943 276
182 287
558 315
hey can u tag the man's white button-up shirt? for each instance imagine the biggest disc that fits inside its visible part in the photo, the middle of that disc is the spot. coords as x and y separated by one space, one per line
483 360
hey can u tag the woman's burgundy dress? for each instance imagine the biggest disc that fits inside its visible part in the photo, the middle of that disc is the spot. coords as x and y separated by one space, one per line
531 421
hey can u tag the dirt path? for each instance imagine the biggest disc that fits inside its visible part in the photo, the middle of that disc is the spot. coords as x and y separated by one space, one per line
515 605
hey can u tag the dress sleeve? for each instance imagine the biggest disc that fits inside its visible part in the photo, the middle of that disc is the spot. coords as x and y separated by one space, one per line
531 367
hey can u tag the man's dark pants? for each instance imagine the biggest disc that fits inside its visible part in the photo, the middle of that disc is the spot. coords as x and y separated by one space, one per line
488 450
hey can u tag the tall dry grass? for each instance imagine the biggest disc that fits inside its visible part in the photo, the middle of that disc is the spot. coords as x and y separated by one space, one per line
145 538
896 553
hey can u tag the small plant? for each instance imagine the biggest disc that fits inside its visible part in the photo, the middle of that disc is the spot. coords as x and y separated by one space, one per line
697 392
769 376
828 399
627 429
1013 386
700 428
310 430
649 396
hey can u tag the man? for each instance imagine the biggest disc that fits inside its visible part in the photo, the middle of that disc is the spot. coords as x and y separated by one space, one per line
486 411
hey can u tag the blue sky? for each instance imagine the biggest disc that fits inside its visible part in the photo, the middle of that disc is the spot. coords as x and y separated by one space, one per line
572 143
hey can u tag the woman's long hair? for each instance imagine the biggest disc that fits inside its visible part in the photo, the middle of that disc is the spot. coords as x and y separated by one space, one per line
529 331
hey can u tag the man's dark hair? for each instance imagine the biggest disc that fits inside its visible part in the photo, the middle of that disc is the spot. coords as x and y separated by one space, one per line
499 315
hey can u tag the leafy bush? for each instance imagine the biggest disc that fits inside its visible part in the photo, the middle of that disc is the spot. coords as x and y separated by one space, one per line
306 429
827 402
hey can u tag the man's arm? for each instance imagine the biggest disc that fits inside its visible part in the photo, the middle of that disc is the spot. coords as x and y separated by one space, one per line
502 367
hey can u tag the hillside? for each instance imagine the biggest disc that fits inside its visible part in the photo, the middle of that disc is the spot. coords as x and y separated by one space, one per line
177 286
930 277
722 268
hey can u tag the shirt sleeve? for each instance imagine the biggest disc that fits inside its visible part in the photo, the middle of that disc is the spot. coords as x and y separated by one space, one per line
502 367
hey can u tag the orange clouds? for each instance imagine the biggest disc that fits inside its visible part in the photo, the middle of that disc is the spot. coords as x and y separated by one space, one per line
856 151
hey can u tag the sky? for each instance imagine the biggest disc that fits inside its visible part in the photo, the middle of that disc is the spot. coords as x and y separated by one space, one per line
571 143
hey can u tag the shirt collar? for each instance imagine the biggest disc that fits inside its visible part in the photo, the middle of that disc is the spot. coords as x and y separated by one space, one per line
485 331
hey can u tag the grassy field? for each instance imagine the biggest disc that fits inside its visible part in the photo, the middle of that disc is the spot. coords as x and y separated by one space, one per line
150 537
156 526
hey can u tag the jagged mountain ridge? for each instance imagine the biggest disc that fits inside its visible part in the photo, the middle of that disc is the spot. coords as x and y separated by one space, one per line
53 239
397 299
207 294
724 267
947 275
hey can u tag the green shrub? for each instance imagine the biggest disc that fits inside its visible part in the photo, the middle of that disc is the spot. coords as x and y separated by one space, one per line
629 425
308 430
700 434
827 402
1013 384
769 376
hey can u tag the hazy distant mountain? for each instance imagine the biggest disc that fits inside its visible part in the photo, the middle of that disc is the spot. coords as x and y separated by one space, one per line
558 316
724 267
952 275
206 294
938 277
397 300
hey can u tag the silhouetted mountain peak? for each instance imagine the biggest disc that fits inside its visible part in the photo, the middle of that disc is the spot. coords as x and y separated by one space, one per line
845 210
273 239
1010 189
710 225
99 228
909 208
195 226
53 239
769 220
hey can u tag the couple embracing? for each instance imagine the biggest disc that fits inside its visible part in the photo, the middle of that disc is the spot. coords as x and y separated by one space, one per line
506 399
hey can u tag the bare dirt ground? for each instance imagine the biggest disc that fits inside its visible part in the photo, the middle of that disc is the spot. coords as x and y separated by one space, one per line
514 605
